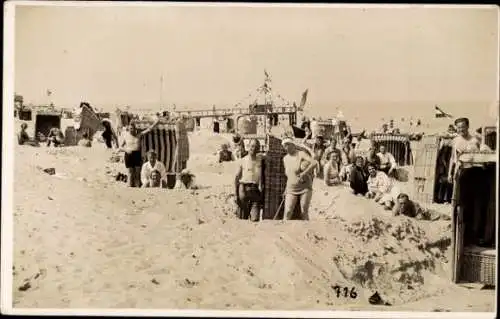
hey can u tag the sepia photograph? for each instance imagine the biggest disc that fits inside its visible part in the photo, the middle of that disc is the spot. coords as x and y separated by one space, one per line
340 159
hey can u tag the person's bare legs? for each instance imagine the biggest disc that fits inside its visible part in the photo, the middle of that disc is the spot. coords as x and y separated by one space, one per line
305 202
137 176
290 203
131 177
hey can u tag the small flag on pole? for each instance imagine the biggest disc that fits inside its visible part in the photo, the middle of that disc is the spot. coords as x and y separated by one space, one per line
440 113
304 98
49 92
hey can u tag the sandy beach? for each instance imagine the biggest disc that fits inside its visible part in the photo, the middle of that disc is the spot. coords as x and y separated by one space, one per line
84 240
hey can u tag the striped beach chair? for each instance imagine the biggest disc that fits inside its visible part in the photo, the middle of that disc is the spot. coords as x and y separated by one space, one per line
171 144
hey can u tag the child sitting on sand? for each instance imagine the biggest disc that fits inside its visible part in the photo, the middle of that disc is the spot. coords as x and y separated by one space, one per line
225 155
85 141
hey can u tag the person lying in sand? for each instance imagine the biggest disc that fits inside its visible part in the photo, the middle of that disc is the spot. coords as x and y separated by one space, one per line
132 147
85 141
155 180
298 170
405 206
380 188
152 165
359 177
332 170
225 155
55 137
23 138
387 161
248 183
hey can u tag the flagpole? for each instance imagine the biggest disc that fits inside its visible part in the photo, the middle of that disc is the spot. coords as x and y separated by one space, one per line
161 91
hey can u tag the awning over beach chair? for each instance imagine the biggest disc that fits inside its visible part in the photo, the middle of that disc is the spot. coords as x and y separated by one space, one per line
87 121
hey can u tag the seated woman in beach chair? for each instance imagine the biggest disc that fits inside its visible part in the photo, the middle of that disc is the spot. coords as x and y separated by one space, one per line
225 155
332 169
23 138
380 188
387 161
55 137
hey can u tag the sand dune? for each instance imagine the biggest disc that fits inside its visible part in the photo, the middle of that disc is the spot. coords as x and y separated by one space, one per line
84 240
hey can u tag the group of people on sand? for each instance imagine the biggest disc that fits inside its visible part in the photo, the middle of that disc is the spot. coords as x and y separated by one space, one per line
371 176
149 174
55 137
299 167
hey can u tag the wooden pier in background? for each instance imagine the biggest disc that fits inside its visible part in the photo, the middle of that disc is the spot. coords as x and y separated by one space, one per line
234 111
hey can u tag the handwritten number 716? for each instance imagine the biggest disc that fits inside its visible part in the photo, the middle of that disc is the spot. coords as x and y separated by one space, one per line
345 291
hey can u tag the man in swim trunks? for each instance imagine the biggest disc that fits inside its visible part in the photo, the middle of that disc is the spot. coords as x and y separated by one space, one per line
248 183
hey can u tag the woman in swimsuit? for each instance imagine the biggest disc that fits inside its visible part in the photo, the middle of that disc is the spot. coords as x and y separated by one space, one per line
298 169
133 157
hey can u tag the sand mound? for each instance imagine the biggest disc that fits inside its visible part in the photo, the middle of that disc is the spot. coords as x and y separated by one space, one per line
84 240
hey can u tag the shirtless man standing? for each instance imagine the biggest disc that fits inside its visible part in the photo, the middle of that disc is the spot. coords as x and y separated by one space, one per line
248 183
463 142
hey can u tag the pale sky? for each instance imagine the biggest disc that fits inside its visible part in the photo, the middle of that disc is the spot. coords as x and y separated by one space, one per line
217 55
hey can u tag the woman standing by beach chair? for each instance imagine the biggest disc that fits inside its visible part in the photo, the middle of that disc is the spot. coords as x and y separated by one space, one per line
132 147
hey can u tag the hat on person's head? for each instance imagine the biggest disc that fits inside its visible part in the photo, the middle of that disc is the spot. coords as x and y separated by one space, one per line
287 141
462 119
24 125
152 152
